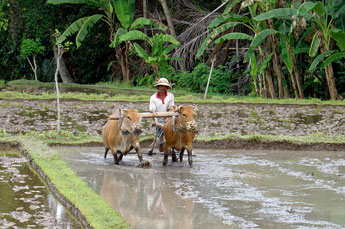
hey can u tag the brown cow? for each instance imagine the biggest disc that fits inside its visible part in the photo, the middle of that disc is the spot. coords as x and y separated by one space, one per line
121 136
179 133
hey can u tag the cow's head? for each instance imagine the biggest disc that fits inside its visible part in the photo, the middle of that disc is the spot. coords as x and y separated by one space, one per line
186 118
130 122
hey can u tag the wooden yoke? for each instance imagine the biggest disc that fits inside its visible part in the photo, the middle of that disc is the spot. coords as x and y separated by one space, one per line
147 115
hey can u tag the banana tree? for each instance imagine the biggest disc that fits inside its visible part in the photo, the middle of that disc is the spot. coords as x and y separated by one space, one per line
228 20
122 9
158 57
324 14
289 19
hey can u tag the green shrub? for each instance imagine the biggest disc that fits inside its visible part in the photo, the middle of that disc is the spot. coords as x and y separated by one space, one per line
196 80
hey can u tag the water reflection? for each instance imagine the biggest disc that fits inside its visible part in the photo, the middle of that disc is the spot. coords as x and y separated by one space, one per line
24 200
224 189
147 200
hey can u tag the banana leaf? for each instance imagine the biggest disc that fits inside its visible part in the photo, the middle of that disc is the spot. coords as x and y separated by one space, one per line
332 58
125 12
213 35
233 36
227 18
339 36
315 44
120 32
305 8
263 65
253 66
142 22
82 25
285 54
277 13
319 8
84 30
319 58
250 53
88 2
260 37
168 49
133 35
140 51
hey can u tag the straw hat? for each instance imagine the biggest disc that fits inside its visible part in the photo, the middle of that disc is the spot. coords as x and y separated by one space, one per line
163 82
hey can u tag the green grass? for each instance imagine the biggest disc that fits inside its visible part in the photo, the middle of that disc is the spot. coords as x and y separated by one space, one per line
96 211
312 138
180 96
68 138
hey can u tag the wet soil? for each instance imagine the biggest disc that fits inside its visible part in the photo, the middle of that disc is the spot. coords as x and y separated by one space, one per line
224 189
25 202
213 119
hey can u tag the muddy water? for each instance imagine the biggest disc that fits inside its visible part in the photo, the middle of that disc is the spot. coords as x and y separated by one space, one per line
24 200
224 189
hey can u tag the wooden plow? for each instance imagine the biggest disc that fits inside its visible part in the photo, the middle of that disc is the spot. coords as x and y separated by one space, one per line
147 115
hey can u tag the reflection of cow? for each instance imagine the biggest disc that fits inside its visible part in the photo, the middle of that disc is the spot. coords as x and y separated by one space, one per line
121 136
179 133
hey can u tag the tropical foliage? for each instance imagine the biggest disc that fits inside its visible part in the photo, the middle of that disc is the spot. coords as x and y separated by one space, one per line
266 48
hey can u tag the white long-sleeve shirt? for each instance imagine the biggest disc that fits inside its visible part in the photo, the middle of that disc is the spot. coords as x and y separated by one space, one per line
159 104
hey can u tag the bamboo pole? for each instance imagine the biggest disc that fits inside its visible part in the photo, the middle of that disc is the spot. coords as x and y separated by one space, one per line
147 115
209 76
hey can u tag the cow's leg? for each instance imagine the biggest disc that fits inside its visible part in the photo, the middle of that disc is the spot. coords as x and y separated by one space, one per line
166 154
173 155
120 156
140 156
190 159
116 159
106 152
181 154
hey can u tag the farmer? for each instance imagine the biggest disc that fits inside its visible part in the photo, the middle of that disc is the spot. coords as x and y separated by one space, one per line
161 101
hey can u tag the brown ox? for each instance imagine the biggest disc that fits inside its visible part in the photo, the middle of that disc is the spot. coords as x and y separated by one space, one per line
121 136
179 133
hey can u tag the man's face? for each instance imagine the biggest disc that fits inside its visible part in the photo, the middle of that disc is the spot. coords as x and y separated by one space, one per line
162 89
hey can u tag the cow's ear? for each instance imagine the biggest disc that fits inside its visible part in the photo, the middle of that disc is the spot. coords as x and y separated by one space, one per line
179 109
122 112
195 108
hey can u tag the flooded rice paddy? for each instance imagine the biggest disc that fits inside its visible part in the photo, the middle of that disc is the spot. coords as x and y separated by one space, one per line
24 200
224 189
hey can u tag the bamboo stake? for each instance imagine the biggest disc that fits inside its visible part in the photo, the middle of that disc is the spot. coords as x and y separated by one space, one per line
209 76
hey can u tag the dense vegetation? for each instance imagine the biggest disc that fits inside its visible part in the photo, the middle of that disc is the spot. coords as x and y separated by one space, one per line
266 48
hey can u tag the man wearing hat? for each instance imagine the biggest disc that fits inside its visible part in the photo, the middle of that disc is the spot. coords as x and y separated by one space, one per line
161 101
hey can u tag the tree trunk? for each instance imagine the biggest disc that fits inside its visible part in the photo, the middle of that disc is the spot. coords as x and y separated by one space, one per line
296 73
168 17
331 82
294 85
268 75
276 64
63 71
171 27
145 8
270 84
333 93
123 63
